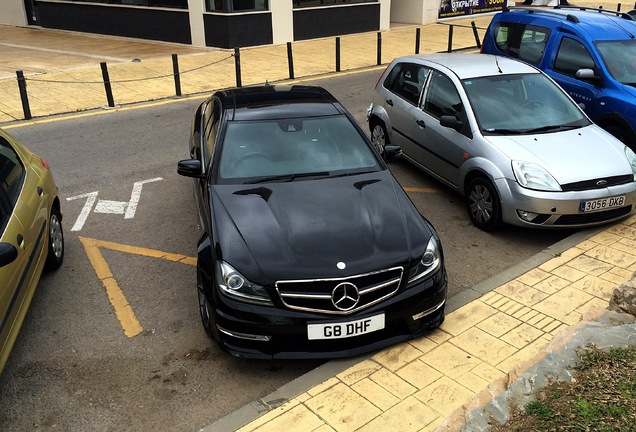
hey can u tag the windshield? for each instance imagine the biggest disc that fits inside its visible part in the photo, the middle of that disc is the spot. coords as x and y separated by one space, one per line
293 149
620 59
521 103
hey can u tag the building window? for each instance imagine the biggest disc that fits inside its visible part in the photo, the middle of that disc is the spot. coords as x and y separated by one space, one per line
318 3
176 4
236 5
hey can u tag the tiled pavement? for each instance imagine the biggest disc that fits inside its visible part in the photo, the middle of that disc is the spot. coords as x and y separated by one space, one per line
64 75
491 330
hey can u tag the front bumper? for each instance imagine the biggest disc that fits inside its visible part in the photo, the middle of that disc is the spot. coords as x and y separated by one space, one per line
252 331
562 209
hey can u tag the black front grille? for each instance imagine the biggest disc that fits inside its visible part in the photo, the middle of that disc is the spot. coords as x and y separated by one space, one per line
594 183
583 218
314 295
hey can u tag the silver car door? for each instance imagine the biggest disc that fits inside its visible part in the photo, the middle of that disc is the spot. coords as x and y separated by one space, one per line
440 149
402 102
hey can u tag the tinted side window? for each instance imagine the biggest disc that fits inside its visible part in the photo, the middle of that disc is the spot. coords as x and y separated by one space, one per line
442 97
525 42
532 44
571 57
11 172
212 128
407 80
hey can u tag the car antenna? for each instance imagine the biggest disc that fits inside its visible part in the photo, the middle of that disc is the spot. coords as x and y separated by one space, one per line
497 63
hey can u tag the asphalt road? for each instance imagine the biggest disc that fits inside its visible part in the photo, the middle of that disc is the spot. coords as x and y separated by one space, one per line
77 365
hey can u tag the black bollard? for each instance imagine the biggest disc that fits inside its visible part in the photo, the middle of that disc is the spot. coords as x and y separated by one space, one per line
472 23
109 90
450 38
417 40
23 95
237 65
175 71
379 60
338 54
290 60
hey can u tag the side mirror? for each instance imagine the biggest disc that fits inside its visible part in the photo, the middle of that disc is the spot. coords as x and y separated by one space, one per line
8 254
190 168
451 122
392 152
587 75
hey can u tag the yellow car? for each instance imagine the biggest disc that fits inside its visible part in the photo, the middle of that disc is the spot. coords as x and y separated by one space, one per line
31 237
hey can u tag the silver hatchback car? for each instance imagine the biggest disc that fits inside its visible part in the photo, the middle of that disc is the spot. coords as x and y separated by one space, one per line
503 134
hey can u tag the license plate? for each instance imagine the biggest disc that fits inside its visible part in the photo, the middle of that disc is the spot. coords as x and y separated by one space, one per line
602 204
347 329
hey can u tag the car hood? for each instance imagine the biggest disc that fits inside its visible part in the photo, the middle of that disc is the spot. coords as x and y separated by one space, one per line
304 228
570 156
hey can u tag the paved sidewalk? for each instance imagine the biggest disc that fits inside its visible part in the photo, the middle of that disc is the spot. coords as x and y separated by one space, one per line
491 331
63 73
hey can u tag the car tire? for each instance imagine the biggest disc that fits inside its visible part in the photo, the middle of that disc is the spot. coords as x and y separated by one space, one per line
379 136
55 254
205 309
484 207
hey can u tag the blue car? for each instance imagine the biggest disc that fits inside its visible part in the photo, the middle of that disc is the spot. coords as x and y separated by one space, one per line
590 53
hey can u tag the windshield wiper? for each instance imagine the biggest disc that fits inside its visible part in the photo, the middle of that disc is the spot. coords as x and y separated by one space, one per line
351 173
504 131
551 128
288 177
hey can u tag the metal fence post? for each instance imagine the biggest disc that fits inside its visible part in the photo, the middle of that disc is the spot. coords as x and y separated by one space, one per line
109 90
417 40
472 23
237 64
337 53
23 95
175 71
450 38
379 60
290 60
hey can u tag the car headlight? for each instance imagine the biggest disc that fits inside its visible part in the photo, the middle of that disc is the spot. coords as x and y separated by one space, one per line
532 176
631 157
429 263
235 285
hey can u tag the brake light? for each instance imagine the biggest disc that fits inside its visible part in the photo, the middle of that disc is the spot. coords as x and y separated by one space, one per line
44 164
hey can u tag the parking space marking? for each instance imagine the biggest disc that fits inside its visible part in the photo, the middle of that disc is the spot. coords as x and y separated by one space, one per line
127 208
123 310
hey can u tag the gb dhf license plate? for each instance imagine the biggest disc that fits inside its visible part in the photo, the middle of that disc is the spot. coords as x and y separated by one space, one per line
602 204
345 329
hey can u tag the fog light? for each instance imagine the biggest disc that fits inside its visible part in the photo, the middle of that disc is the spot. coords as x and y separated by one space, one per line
238 335
526 215
429 311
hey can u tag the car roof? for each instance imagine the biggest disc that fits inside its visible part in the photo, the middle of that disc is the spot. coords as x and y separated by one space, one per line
276 102
465 65
597 25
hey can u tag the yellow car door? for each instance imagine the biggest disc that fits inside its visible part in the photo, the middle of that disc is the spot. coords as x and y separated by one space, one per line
23 241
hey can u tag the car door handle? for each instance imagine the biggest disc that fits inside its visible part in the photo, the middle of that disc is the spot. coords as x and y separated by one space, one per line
421 124
389 102
20 240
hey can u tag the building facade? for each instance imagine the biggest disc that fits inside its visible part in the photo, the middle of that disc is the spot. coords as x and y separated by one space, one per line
230 23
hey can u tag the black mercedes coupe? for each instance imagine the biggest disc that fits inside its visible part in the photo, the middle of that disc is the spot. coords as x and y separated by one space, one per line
309 247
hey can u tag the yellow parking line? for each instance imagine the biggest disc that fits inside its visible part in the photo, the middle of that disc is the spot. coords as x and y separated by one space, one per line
425 190
123 310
